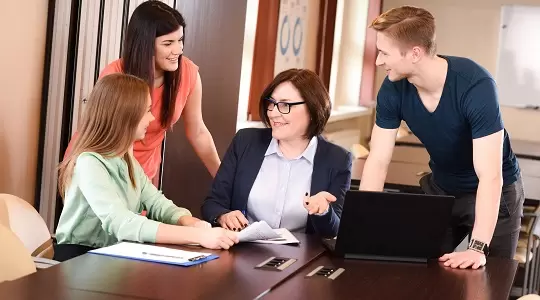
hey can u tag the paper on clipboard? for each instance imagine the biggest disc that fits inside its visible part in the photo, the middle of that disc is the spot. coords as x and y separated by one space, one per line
153 253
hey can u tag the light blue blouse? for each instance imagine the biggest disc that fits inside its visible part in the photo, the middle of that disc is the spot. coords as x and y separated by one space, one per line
280 187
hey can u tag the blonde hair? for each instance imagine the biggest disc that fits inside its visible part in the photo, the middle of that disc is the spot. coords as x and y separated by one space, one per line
409 26
115 108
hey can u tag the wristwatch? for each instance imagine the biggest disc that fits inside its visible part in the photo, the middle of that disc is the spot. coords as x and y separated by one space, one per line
479 246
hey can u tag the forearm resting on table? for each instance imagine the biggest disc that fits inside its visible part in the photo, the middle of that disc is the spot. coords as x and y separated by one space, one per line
187 220
374 175
178 235
488 198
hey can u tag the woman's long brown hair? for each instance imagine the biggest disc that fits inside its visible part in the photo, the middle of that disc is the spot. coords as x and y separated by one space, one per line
152 19
115 108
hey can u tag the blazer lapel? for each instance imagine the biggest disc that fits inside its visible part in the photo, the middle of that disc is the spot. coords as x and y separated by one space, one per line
319 177
252 162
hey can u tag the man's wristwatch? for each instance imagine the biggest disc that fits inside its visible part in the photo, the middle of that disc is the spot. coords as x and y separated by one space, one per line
479 246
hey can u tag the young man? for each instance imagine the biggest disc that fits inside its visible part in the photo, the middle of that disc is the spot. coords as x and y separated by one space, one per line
450 104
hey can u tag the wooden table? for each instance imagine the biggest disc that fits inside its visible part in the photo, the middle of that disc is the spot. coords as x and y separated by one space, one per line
522 149
43 292
381 280
231 276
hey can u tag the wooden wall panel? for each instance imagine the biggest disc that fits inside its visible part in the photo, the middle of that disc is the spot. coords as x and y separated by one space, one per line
264 54
214 41
325 39
367 85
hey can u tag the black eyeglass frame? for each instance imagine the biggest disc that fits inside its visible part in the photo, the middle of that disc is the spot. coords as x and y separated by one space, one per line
282 104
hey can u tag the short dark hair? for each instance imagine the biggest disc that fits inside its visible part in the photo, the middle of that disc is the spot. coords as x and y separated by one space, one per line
313 92
150 20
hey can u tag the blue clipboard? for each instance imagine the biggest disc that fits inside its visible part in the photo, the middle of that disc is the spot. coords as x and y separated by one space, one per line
157 258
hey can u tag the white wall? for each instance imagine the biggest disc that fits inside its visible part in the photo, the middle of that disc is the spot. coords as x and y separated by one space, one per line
23 29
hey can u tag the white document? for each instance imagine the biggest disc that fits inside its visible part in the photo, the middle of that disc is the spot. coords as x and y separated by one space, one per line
152 253
285 237
257 231
261 232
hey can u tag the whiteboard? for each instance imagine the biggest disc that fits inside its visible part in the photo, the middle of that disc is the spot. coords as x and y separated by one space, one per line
518 62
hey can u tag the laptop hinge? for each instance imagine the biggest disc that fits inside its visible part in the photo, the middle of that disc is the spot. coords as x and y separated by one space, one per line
387 258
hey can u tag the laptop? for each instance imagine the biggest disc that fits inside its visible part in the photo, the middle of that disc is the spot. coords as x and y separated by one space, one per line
392 226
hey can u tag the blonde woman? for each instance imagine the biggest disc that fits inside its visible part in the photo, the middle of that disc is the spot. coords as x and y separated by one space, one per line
105 189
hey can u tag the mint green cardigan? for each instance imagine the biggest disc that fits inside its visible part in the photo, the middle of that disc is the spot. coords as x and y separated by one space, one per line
101 207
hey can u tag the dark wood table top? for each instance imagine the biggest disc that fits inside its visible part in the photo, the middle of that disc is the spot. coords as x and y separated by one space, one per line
522 149
231 276
405 177
63 293
385 280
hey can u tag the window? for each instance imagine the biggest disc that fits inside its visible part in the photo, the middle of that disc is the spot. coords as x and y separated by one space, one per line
341 50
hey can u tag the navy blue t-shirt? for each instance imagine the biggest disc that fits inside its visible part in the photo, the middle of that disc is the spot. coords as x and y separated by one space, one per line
468 109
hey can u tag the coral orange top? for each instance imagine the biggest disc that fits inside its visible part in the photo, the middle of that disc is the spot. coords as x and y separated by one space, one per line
148 152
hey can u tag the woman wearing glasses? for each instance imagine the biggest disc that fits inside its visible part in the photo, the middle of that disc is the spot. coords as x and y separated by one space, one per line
286 174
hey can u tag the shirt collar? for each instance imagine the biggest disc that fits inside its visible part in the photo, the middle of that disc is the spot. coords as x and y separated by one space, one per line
308 154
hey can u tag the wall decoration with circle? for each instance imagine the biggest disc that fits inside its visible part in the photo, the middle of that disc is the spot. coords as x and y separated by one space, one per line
290 49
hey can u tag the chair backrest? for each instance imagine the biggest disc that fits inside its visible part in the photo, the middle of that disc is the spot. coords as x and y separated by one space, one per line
28 225
15 260
4 216
529 297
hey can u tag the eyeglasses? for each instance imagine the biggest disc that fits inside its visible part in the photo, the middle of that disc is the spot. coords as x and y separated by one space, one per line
283 107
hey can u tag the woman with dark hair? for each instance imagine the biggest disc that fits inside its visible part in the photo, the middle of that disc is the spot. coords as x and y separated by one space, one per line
153 48
287 175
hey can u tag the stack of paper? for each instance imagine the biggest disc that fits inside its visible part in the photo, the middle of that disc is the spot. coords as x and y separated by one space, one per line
261 232
155 254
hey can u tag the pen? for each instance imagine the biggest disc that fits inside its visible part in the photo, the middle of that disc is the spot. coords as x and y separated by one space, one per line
197 257
173 256
163 255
